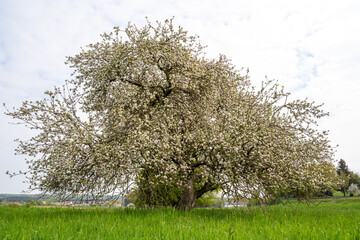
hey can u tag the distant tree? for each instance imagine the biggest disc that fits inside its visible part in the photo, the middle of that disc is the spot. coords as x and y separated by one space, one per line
343 167
49 202
354 179
344 176
147 108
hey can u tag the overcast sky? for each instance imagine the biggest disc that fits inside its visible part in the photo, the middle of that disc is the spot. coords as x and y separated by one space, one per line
312 47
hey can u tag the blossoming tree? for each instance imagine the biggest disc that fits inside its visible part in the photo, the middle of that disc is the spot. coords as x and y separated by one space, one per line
146 110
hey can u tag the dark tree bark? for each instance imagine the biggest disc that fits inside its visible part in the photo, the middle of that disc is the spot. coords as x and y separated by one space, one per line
188 196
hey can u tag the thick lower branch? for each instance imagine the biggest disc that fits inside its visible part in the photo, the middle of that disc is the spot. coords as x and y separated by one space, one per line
208 187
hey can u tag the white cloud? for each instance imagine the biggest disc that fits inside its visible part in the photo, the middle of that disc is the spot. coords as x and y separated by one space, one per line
310 46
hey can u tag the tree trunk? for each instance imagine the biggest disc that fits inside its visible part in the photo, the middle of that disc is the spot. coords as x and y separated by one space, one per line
188 197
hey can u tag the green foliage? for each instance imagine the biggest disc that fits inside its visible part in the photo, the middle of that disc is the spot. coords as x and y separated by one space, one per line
209 199
354 179
262 202
154 195
29 204
343 167
347 178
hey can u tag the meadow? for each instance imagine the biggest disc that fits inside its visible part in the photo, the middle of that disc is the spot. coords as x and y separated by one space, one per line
325 219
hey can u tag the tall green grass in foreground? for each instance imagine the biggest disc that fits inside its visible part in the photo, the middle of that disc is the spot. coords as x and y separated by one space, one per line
328 220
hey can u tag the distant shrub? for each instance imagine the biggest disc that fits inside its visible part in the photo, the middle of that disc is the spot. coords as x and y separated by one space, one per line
353 189
254 202
258 202
273 201
207 200
29 204
203 202
14 204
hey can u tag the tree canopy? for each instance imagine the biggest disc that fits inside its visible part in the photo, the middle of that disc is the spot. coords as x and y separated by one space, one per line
147 111
346 177
342 167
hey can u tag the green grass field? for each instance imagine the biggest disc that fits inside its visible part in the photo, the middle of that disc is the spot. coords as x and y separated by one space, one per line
330 219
